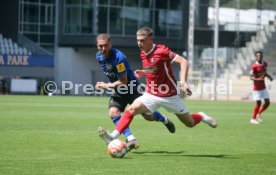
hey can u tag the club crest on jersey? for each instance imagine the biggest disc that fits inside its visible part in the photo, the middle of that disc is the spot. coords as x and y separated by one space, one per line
171 55
152 60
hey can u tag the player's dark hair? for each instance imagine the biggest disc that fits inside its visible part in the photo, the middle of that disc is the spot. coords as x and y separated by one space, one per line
260 52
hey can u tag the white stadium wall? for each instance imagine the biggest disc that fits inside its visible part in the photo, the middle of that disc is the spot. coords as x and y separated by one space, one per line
75 66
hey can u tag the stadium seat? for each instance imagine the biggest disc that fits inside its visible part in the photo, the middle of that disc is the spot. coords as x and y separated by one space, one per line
7 46
20 51
25 52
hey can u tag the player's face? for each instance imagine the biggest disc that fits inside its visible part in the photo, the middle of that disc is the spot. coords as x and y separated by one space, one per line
104 47
259 57
144 42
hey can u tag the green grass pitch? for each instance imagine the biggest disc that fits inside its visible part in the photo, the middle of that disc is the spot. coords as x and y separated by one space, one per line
57 135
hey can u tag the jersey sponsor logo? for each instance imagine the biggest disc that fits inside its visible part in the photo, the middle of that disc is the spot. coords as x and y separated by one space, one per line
110 74
152 59
150 69
121 67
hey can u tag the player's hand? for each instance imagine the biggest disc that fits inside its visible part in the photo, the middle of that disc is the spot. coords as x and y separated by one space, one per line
259 78
100 85
185 89
262 77
139 73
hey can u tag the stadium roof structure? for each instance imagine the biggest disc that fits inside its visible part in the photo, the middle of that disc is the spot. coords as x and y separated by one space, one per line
248 19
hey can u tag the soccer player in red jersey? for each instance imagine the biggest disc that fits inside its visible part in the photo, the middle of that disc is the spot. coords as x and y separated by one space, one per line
258 74
162 89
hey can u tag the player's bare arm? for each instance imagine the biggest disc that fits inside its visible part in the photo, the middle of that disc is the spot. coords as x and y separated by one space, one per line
122 79
184 65
253 77
269 76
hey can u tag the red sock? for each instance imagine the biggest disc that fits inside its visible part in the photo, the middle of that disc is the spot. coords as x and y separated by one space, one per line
256 110
124 121
197 118
264 107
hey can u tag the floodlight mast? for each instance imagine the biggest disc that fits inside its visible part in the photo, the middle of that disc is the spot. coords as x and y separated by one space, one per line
191 34
216 37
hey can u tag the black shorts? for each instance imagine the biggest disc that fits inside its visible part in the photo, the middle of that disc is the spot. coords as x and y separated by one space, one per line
120 101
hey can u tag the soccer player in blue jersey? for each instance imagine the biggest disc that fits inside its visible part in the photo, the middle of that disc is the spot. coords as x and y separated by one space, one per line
118 70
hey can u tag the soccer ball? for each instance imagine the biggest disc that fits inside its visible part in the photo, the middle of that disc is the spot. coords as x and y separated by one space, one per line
117 148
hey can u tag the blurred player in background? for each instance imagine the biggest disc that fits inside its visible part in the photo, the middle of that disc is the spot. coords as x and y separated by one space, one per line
162 90
118 70
258 74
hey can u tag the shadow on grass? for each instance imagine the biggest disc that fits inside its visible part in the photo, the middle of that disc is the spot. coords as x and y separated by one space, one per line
181 153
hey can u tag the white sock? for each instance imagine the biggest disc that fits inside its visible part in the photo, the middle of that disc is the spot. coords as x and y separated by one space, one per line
115 134
131 137
166 120
203 115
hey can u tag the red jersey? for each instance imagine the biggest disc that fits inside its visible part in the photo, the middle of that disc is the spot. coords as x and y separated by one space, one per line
159 75
258 70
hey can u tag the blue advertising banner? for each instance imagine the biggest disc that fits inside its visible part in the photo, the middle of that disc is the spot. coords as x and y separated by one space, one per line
27 60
